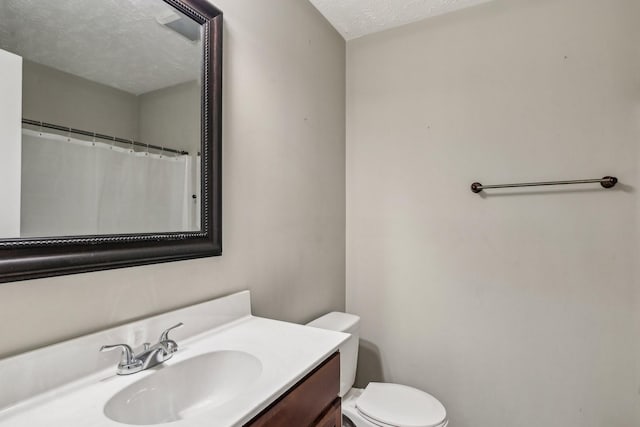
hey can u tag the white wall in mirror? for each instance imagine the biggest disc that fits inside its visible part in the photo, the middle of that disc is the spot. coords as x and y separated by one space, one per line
10 135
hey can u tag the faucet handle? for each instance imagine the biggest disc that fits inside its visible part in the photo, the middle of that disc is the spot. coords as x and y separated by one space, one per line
127 353
127 360
165 335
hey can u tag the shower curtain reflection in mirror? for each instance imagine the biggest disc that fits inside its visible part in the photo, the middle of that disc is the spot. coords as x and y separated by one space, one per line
73 187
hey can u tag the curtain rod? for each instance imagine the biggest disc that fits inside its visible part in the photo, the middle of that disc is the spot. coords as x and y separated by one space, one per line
606 182
101 136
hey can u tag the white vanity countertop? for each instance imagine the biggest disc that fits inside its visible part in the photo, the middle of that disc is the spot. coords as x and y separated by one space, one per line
287 352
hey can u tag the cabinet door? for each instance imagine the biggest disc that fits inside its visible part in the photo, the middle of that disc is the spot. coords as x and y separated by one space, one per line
303 405
333 416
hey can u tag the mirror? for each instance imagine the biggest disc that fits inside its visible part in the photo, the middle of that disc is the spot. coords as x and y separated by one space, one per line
110 118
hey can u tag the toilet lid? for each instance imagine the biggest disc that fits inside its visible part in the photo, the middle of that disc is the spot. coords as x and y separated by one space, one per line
401 406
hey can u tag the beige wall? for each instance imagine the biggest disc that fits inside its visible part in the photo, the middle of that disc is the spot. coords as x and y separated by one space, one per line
61 98
170 117
284 212
515 310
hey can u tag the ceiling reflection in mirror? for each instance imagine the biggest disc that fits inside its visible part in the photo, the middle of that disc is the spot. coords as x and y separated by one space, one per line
109 132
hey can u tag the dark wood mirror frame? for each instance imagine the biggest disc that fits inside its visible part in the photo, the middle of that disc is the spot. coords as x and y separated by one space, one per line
22 259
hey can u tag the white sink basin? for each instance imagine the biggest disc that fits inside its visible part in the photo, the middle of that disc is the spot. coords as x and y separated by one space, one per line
179 391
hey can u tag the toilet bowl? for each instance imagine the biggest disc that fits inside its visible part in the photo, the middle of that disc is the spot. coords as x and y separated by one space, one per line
378 404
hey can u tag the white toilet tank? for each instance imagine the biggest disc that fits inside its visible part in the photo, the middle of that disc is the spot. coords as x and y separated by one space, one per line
349 324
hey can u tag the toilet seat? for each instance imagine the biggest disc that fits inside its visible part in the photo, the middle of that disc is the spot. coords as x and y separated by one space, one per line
396 405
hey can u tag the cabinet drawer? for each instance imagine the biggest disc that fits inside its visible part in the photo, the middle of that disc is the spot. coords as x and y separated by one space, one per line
309 399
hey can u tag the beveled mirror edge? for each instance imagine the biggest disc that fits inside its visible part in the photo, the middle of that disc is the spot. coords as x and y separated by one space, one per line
24 259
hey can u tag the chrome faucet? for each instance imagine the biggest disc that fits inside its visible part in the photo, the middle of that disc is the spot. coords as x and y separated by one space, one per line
150 356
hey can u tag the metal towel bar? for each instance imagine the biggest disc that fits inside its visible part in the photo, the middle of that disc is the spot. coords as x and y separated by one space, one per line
606 182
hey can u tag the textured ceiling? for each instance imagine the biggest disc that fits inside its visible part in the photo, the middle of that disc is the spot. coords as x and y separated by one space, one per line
356 18
118 43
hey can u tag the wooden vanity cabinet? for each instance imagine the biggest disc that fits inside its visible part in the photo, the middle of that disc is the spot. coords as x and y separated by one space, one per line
312 402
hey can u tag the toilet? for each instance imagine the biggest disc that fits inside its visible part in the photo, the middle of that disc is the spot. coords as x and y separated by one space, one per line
379 404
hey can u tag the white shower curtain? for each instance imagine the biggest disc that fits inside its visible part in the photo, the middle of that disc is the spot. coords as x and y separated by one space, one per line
73 187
